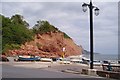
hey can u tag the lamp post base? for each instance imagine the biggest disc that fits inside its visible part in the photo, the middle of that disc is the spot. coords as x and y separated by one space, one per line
91 72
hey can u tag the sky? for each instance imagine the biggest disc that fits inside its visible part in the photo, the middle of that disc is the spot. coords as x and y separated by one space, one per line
69 18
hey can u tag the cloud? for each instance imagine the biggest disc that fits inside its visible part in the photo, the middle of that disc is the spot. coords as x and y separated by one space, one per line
69 17
58 0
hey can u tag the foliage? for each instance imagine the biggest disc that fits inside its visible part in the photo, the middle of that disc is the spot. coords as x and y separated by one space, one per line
0 44
18 19
0 34
43 27
66 36
14 32
10 47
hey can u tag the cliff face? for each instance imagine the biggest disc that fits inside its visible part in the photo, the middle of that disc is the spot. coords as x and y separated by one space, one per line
49 44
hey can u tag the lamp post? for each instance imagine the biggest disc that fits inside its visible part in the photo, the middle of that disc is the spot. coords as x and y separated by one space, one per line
96 10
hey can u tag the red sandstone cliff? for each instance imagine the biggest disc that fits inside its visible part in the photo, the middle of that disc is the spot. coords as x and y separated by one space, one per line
49 44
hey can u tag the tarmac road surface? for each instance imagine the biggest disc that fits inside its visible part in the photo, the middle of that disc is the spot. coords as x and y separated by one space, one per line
9 71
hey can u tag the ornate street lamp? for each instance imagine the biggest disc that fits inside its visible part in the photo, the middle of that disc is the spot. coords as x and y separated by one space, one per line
84 7
96 10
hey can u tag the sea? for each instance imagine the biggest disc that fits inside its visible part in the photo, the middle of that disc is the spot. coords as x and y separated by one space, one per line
103 57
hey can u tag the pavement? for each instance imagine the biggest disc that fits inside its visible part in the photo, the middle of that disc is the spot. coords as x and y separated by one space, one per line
44 70
9 71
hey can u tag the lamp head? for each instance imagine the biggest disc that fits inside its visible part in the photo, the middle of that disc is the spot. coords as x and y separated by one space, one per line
84 6
97 11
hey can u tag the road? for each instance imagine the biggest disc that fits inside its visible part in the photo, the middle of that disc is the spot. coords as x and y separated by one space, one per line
9 71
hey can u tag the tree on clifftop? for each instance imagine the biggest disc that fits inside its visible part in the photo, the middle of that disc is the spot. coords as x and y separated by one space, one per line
43 27
14 32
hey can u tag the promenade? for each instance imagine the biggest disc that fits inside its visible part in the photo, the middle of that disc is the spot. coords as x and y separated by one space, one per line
42 70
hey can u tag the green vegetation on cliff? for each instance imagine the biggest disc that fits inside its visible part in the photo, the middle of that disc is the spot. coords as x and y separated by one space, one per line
44 26
15 31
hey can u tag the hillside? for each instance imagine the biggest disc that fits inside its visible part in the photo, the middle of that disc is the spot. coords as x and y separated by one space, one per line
48 45
88 52
43 39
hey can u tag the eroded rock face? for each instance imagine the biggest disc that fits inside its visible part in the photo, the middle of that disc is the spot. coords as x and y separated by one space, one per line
48 45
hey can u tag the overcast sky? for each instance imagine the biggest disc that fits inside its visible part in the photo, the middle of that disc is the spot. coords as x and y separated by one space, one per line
69 18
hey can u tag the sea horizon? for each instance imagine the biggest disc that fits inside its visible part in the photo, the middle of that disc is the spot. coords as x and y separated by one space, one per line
103 57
